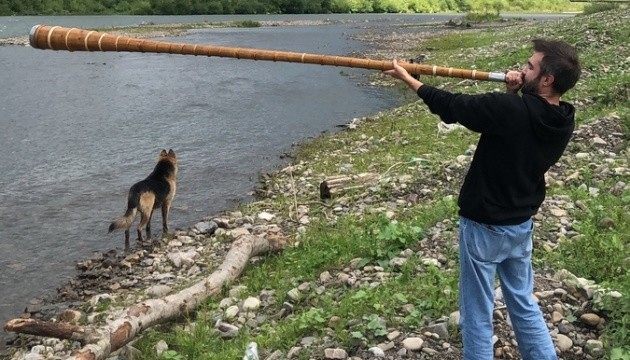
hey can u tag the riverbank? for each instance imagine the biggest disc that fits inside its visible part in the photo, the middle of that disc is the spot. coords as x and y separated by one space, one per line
374 269
152 30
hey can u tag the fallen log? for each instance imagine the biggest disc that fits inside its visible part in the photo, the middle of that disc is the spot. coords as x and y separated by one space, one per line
98 343
336 184
59 330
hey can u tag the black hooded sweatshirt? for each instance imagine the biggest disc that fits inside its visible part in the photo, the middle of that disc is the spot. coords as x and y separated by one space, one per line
521 137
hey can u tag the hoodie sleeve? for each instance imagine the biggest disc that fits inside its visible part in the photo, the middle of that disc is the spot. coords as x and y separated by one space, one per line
484 113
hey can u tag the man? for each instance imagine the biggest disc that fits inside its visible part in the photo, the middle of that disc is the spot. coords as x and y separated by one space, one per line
521 137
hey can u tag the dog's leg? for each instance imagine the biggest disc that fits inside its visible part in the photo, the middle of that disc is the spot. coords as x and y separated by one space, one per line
126 239
145 219
165 208
149 226
147 199
139 236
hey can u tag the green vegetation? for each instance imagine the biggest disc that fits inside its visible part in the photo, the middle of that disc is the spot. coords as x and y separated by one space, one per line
599 7
246 23
477 17
202 7
403 142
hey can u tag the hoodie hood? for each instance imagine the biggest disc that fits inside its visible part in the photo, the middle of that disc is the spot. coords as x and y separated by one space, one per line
550 121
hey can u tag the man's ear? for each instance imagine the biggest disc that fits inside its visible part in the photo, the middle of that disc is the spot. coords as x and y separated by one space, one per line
547 80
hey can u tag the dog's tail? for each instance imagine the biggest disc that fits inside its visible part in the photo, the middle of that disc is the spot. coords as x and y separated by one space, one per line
126 220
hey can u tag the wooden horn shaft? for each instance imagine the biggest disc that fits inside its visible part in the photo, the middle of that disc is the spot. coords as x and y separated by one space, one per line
73 39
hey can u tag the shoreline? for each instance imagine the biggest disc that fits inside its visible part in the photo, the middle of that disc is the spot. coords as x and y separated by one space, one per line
156 31
145 31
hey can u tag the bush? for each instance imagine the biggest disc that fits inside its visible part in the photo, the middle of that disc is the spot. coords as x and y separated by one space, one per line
246 23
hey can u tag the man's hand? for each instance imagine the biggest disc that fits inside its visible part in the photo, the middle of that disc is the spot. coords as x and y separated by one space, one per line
401 73
513 81
397 72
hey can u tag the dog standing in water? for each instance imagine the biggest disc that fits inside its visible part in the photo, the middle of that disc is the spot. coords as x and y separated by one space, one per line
156 191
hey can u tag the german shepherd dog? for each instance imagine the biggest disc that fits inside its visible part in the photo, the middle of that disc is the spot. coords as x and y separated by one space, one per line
156 191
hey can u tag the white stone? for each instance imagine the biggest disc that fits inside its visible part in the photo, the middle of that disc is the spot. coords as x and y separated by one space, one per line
161 347
266 216
454 318
377 351
294 294
597 141
339 354
251 303
563 342
176 259
231 312
413 343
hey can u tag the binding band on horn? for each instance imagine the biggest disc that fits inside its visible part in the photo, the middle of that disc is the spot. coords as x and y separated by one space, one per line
66 39
50 32
116 42
86 40
100 39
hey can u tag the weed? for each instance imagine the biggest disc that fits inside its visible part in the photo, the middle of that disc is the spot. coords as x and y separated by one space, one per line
246 23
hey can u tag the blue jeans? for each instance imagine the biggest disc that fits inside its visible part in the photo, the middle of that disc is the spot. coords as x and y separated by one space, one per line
506 250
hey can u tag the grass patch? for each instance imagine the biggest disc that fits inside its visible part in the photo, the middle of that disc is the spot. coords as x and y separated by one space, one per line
482 17
247 24
595 8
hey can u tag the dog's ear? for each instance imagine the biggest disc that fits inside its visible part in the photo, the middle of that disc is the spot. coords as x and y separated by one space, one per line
163 152
171 153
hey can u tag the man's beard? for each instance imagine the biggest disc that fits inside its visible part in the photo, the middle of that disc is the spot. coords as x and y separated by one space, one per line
531 86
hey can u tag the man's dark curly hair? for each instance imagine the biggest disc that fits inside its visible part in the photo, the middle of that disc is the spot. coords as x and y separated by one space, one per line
560 60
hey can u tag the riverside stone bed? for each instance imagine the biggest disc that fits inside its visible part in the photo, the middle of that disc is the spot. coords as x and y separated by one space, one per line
571 305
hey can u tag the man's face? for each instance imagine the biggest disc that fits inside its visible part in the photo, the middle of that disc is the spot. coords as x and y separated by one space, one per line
532 75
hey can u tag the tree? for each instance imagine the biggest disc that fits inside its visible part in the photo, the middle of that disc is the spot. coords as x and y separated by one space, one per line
215 7
5 10
171 7
462 5
248 7
421 6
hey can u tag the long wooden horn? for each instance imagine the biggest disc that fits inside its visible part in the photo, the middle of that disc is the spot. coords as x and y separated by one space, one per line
73 39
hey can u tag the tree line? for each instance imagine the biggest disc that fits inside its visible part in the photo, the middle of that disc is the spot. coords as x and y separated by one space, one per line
230 7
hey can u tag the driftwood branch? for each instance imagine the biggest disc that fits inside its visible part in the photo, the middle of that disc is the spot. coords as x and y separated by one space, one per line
99 343
336 184
57 330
